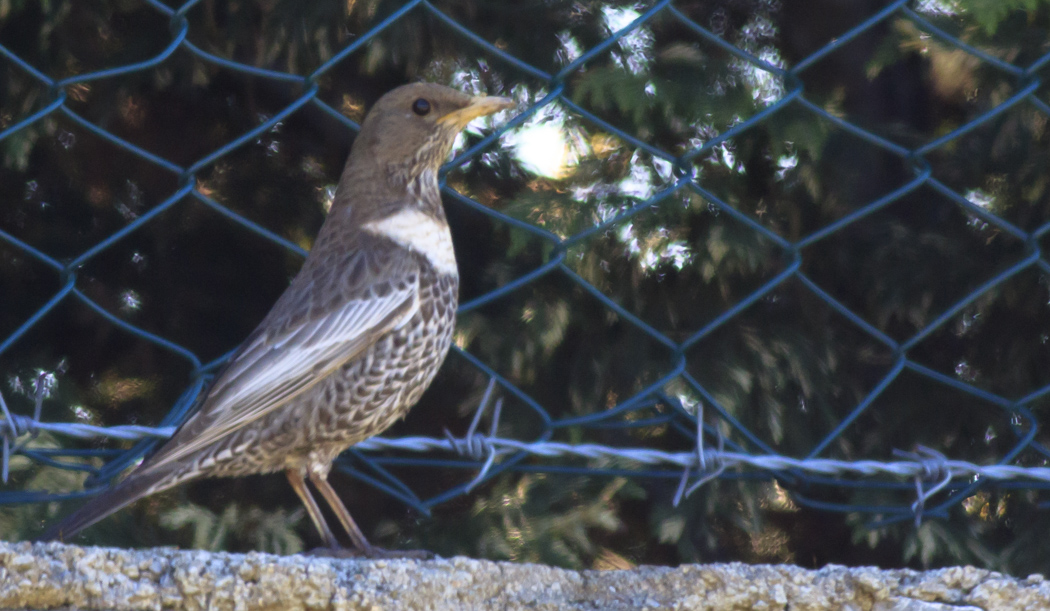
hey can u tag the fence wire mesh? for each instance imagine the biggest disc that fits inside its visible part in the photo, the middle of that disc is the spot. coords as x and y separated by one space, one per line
707 292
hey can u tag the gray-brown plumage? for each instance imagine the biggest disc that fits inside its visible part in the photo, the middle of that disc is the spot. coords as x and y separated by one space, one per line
354 340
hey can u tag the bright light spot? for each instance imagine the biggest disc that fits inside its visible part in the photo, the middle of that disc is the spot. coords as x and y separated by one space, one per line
640 182
548 144
943 8
728 158
766 87
689 403
980 198
660 252
786 164
605 212
45 383
327 197
543 149
637 45
626 236
81 414
617 19
965 371
677 253
663 168
461 339
570 48
460 142
585 192
130 301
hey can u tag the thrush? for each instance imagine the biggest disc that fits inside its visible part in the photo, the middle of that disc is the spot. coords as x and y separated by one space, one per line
352 343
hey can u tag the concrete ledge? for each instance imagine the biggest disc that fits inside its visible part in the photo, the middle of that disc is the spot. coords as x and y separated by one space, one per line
55 576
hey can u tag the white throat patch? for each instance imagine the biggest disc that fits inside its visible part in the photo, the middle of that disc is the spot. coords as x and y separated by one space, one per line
421 233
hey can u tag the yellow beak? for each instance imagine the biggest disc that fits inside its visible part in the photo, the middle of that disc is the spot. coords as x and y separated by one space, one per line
479 107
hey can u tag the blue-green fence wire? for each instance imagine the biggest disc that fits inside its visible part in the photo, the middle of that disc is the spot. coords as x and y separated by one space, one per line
928 470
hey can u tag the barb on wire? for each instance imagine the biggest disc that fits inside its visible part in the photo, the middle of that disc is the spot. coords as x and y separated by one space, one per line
475 446
934 467
17 431
18 425
704 462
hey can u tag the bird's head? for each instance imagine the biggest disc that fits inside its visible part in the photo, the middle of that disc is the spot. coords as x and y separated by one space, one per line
412 128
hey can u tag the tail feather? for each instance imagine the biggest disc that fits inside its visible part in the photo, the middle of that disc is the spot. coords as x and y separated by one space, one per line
115 498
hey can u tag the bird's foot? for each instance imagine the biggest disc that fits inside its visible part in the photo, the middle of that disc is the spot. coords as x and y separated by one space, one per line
371 552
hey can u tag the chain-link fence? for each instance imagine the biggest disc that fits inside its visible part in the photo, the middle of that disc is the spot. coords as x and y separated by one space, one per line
718 229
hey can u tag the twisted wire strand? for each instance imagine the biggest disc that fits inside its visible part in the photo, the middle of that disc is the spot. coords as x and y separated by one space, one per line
921 466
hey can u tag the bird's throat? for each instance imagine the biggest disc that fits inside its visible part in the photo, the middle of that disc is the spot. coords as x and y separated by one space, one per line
421 233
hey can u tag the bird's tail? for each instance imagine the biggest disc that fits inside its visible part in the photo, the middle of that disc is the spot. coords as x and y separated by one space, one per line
113 499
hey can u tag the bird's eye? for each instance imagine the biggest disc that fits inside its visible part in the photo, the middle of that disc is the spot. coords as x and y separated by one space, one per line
421 107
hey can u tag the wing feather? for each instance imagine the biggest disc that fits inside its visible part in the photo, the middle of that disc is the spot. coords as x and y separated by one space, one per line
272 369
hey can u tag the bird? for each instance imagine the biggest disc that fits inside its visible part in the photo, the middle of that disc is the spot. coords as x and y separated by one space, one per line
353 341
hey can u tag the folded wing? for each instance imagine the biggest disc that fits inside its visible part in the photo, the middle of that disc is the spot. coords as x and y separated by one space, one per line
274 367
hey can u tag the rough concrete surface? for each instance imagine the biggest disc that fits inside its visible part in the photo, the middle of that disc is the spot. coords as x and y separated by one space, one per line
55 576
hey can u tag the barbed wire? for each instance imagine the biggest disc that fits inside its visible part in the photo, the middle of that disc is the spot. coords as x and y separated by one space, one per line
923 466
930 472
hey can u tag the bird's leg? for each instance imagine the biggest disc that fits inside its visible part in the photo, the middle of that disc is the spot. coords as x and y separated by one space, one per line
341 512
361 545
295 478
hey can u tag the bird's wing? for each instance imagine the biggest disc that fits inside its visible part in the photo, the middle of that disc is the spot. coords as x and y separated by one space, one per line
273 367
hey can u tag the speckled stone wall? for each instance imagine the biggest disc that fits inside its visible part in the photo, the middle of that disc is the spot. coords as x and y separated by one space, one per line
55 576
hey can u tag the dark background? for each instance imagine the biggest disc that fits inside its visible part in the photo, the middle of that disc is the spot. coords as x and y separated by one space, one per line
788 369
